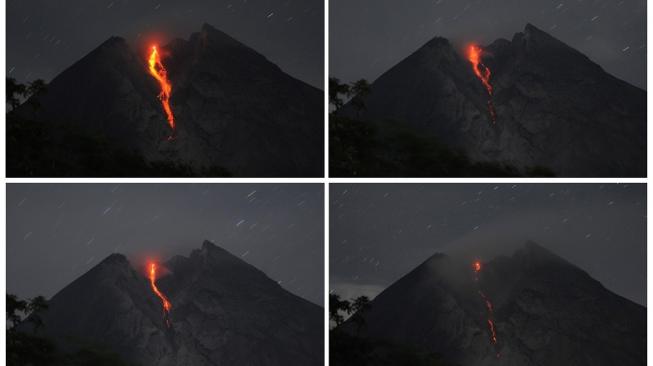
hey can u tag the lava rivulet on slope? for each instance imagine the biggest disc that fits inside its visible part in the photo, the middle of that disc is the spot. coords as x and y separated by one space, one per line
159 72
474 54
166 303
488 305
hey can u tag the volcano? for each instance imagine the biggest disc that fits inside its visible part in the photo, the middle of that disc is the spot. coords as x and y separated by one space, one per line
532 101
223 312
530 308
224 105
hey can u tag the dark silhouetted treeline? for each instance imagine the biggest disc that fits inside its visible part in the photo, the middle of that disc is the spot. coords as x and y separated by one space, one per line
28 347
348 346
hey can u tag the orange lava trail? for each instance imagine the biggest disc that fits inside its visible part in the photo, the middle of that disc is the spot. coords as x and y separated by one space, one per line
159 72
474 54
488 306
166 303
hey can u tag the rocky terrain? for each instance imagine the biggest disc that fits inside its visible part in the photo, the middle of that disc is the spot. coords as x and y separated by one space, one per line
233 108
545 311
553 107
224 312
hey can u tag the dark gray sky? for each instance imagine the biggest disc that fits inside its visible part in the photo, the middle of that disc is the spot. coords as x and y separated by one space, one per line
380 232
57 232
367 37
44 37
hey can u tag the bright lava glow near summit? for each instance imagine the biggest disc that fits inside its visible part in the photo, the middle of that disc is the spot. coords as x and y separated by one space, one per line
152 269
474 54
159 72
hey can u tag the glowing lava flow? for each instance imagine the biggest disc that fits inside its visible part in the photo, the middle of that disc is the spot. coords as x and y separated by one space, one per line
488 305
166 304
159 72
483 72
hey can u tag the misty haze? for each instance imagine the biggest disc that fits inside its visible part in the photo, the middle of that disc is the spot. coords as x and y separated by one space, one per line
488 274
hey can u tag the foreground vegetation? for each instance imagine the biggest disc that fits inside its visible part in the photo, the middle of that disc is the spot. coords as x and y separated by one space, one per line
349 347
26 346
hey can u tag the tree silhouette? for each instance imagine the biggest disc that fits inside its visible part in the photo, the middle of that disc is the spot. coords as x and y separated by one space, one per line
17 92
15 307
19 311
359 306
354 308
359 90
34 307
336 90
36 87
25 348
337 307
347 348
356 92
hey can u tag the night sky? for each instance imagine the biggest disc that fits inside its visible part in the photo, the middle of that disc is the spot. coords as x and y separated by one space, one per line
367 37
380 232
45 37
57 232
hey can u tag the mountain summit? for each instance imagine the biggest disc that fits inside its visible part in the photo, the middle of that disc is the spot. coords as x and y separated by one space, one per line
531 308
547 105
224 311
233 108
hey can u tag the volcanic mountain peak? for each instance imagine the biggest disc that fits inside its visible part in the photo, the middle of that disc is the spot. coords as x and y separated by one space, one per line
114 262
209 246
531 31
113 42
535 37
235 112
531 35
530 308
115 258
110 269
114 52
209 309
530 102
533 252
453 266
216 261
439 43
439 52
540 44
211 251
217 37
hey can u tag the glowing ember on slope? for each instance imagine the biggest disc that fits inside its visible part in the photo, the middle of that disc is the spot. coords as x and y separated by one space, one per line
166 303
481 71
492 331
488 306
159 72
474 54
490 319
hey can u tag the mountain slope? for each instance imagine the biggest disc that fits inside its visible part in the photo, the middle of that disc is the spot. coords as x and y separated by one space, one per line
224 312
233 108
554 107
545 311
